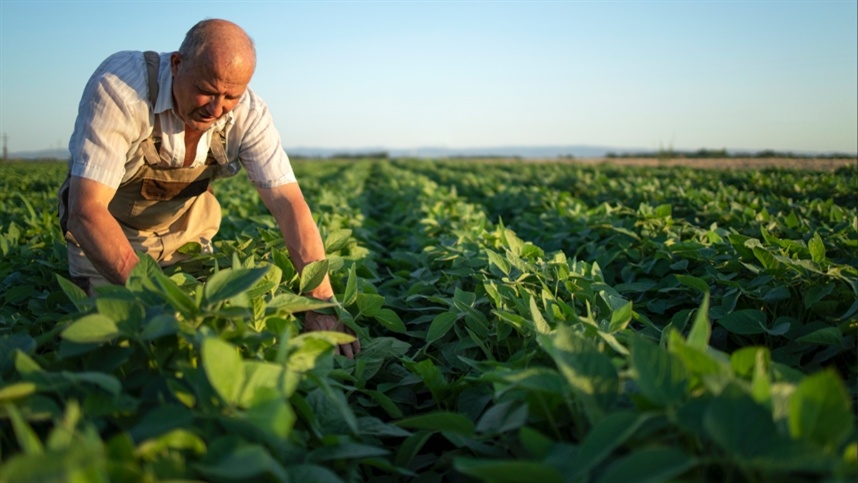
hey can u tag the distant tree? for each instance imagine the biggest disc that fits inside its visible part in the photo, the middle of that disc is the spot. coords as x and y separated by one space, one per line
368 155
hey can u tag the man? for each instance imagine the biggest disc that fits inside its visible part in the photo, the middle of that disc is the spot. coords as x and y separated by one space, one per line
152 132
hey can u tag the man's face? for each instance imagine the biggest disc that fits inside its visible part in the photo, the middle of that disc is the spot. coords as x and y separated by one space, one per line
207 89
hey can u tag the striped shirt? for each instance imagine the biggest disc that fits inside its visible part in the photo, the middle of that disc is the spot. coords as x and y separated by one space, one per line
114 117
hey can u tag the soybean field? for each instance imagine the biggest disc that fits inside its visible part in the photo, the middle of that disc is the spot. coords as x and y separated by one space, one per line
520 321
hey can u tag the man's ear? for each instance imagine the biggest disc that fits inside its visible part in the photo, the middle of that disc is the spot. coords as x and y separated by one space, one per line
175 62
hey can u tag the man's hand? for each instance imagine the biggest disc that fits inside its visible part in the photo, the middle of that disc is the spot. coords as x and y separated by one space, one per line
288 206
316 321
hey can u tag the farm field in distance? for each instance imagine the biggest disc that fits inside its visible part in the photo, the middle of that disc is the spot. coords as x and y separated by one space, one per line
520 321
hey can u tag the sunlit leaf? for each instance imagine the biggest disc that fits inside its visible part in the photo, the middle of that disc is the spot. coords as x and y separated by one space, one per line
313 274
223 367
91 328
820 411
226 284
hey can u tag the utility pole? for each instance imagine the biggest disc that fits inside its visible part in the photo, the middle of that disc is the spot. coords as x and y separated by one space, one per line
5 147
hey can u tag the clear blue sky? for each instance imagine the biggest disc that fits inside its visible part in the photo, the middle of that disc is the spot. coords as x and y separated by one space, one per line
349 74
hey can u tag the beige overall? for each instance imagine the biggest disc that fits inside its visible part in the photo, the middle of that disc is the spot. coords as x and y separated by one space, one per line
160 208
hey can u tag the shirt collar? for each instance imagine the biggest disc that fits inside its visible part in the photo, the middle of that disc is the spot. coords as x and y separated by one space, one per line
164 101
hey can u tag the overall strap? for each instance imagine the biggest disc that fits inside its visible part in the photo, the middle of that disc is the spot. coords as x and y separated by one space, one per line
153 64
150 151
152 145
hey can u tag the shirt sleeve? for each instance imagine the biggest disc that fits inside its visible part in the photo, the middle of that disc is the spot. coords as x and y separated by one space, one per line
260 149
112 119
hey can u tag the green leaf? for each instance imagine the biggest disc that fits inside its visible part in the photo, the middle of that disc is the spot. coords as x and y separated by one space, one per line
346 451
604 438
10 344
27 439
311 473
693 282
260 377
761 381
590 373
539 322
498 261
223 367
337 240
390 320
332 409
661 376
816 293
175 296
268 283
817 248
701 329
503 417
820 410
76 294
745 360
244 463
825 336
161 420
739 425
648 464
105 381
620 318
313 274
536 443
386 403
291 303
411 446
440 421
159 326
713 371
143 274
663 211
369 304
431 376
120 308
177 439
441 324
375 427
25 365
16 390
350 295
273 416
500 471
92 328
308 353
229 283
744 322
331 337
766 259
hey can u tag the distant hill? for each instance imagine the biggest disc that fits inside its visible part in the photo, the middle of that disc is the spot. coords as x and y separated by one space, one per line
578 151
41 154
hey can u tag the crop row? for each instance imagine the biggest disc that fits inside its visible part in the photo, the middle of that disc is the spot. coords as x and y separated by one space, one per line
524 321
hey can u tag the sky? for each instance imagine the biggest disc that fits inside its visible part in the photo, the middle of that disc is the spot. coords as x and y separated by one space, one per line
683 74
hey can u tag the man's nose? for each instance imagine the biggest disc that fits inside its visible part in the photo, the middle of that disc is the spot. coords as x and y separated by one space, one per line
215 106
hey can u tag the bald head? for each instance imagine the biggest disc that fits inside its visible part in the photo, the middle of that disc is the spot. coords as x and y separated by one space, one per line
219 42
211 72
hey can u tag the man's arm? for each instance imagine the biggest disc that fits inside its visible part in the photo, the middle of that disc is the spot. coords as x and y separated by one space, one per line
286 203
97 232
